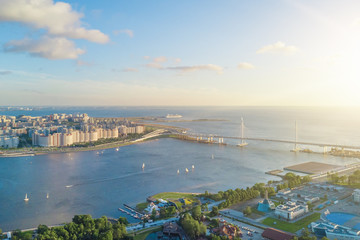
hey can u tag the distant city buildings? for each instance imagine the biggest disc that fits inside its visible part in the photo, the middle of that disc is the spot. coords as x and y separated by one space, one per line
58 130
68 138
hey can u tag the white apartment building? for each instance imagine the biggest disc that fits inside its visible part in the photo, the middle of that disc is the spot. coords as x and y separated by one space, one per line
9 141
290 210
71 137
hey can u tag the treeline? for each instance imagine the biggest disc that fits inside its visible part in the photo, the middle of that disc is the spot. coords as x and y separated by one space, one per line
292 180
235 196
192 227
352 179
84 227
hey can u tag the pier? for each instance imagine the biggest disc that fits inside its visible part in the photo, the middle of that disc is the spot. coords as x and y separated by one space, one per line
132 212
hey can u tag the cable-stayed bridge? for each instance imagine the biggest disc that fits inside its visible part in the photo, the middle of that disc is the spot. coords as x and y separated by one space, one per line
213 138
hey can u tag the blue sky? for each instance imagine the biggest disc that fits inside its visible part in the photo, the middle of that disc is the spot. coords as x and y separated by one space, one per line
267 53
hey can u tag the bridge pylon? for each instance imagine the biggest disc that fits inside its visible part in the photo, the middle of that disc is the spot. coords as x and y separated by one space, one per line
243 143
296 148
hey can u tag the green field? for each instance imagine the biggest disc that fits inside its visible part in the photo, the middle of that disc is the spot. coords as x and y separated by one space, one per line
141 235
174 195
291 227
141 206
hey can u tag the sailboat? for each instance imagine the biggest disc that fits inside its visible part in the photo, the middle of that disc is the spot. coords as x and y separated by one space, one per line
47 195
178 171
26 198
243 143
186 170
212 156
143 166
193 167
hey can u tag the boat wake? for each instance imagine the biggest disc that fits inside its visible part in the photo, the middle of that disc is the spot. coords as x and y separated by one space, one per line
113 178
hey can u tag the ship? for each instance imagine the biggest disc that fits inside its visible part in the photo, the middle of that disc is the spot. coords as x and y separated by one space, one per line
186 170
47 195
26 198
173 116
178 171
143 166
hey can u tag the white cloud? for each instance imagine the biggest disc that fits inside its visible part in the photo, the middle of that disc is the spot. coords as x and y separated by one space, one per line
177 60
130 70
128 32
185 69
46 47
58 18
279 48
146 57
154 65
245 65
160 59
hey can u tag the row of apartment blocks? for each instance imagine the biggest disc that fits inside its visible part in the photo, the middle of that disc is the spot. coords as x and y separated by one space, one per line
68 138
9 141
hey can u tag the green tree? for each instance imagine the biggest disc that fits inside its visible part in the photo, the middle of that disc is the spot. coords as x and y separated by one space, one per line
196 212
215 211
123 220
247 211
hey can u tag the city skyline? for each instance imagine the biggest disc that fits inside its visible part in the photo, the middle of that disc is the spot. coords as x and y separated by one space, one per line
273 53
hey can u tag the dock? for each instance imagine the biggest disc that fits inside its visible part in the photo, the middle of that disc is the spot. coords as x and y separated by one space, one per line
132 212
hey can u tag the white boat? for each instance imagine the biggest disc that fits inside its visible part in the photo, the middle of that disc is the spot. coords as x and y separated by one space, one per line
69 186
26 198
47 195
117 149
173 116
143 166
186 170
212 156
193 167
178 171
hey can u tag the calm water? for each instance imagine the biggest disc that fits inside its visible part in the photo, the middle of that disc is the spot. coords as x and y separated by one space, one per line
102 183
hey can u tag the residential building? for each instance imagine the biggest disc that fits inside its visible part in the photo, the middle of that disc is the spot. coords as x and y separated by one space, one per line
9 141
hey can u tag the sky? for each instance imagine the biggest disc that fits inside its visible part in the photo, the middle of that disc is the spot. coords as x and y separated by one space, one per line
180 53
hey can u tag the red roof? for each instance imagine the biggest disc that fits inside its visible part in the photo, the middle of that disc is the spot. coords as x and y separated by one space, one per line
274 234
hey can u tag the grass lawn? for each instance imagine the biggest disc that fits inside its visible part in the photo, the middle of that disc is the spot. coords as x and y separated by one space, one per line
291 227
188 197
254 210
174 195
142 235
141 206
